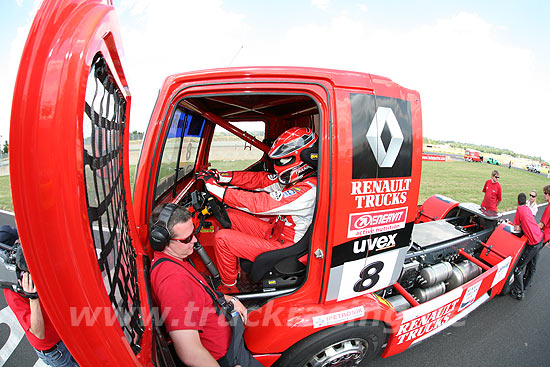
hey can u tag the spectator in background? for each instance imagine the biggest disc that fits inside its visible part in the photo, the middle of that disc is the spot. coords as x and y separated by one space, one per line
493 192
38 328
532 202
545 220
526 267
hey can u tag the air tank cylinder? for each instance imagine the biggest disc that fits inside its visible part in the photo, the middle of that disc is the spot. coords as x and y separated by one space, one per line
435 274
426 294
463 272
399 303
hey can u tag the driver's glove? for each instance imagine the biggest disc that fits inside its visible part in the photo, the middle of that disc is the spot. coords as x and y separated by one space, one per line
212 186
224 177
207 173
220 177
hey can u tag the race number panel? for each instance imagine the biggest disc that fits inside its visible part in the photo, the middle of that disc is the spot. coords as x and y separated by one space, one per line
365 275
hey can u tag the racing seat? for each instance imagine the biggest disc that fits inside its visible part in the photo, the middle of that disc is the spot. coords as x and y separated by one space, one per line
280 268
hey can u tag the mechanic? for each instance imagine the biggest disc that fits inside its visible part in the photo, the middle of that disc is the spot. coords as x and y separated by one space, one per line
545 220
532 202
525 270
493 192
286 198
203 324
38 328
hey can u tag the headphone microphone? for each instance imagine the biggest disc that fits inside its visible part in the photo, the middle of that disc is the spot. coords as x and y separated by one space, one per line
160 236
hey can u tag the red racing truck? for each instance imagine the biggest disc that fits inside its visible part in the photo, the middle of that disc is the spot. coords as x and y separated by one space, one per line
472 155
374 273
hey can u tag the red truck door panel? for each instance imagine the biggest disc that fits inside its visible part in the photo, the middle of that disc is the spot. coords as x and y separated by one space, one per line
70 183
376 188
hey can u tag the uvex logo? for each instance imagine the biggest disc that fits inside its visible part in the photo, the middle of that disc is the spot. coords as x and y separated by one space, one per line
379 243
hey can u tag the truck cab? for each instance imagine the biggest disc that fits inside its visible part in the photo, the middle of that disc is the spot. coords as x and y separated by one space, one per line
472 155
348 291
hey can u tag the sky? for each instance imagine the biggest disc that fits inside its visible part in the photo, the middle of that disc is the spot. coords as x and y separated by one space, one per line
482 67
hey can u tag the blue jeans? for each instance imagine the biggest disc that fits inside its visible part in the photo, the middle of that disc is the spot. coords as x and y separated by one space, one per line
59 357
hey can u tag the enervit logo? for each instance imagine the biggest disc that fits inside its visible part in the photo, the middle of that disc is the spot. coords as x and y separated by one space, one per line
362 224
384 116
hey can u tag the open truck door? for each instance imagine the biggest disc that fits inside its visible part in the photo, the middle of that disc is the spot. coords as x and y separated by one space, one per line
378 193
70 183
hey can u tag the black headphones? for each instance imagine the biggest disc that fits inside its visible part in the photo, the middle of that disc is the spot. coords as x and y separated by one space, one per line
160 236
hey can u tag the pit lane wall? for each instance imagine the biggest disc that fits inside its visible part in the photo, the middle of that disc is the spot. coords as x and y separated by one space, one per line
435 157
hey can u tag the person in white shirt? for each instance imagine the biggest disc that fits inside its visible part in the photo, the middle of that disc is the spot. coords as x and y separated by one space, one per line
532 202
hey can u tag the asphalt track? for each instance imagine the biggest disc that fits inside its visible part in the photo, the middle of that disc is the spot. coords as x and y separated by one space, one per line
501 332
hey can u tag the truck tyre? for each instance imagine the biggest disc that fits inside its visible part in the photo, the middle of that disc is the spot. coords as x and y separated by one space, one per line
352 344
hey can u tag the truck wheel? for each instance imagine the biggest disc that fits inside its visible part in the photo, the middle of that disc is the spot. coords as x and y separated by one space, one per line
347 345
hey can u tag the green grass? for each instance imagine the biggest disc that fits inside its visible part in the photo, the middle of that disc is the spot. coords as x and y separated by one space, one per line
232 165
461 181
5 193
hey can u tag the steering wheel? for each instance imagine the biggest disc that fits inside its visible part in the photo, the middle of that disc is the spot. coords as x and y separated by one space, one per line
206 204
219 210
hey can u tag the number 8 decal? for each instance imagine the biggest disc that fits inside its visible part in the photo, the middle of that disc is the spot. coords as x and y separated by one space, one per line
369 276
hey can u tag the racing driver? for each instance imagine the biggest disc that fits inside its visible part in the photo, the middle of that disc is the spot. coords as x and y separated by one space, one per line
268 211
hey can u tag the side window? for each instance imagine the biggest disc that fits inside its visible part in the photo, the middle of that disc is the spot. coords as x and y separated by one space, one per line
230 153
180 150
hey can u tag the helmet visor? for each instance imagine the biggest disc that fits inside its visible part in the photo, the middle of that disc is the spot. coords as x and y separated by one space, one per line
284 161
292 146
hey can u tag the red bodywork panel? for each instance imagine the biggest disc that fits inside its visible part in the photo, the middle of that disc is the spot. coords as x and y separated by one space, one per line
434 208
503 243
48 191
415 324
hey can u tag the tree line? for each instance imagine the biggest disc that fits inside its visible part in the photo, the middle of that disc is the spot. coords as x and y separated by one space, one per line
482 148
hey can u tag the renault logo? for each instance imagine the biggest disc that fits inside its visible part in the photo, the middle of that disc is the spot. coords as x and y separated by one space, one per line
383 116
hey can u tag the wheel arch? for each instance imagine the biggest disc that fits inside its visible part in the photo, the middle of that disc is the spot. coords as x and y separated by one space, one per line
296 351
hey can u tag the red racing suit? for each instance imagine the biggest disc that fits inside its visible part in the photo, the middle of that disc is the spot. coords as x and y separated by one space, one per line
286 213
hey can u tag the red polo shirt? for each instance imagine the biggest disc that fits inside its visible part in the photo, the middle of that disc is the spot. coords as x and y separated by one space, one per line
185 305
493 195
22 310
524 218
545 220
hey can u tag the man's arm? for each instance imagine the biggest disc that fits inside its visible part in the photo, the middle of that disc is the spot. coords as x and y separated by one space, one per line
517 220
259 181
237 306
545 220
37 320
190 349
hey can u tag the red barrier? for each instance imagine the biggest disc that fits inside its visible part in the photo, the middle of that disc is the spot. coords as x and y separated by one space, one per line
434 157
